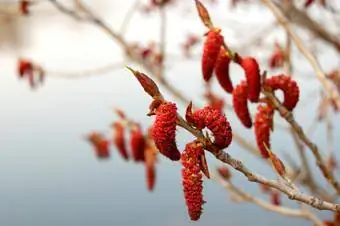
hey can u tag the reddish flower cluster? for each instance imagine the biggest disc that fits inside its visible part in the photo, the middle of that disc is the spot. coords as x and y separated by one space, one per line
154 4
149 53
214 101
164 130
34 73
277 58
119 139
150 153
289 88
240 101
252 72
190 42
222 71
275 198
211 50
308 3
100 144
224 172
192 180
215 121
24 7
137 142
263 125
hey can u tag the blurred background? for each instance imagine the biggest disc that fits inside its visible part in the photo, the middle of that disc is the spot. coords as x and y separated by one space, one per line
49 174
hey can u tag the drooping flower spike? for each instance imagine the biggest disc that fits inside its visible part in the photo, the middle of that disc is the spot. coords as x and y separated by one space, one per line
252 72
222 71
137 142
211 50
263 126
164 129
240 104
100 144
215 121
119 139
288 86
192 180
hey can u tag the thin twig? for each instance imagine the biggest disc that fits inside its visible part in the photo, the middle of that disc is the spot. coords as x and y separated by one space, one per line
299 213
332 92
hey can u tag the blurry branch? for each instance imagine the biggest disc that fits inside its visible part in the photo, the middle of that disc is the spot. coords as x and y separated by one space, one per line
162 45
281 18
288 116
128 16
84 74
257 38
299 213
302 19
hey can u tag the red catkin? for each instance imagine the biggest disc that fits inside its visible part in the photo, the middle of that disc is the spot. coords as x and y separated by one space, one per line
137 142
150 153
289 88
24 7
275 198
119 139
252 71
150 176
211 50
100 144
240 104
164 130
263 125
222 71
215 121
224 172
192 180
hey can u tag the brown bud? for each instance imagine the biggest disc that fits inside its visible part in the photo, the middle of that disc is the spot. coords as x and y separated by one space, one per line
204 14
147 83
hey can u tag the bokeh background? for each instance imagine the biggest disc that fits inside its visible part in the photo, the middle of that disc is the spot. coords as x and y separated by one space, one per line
49 175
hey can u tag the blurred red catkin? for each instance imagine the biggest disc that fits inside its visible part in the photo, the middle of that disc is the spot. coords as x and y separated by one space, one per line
150 153
222 71
277 58
119 139
308 3
24 7
265 188
192 180
275 198
224 172
214 101
215 121
137 142
328 223
100 144
289 88
211 50
263 125
164 130
252 71
240 104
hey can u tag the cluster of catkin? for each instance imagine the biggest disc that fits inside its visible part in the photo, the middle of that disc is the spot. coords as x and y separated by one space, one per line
217 59
192 158
142 148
